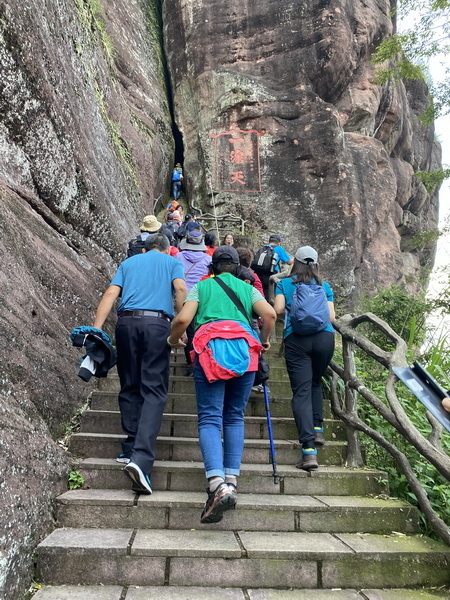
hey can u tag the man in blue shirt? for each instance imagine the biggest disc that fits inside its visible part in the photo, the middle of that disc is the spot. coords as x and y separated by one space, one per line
280 256
148 284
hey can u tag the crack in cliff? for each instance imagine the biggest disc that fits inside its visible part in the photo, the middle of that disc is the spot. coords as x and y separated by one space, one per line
176 133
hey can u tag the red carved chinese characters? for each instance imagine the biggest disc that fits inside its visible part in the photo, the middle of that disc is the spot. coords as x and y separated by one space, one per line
232 149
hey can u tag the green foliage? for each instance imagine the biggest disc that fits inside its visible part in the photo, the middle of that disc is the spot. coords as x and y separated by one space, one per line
433 179
76 480
423 239
120 145
92 17
406 55
406 315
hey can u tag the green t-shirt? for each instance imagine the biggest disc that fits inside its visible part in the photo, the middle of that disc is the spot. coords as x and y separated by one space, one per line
215 305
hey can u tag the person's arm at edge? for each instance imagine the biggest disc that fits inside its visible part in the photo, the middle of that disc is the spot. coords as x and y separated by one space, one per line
332 311
263 309
105 305
181 322
179 286
285 257
279 304
446 404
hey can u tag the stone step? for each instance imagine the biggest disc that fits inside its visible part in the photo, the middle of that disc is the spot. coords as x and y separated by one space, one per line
185 385
177 366
71 592
181 510
182 425
239 559
174 475
186 404
107 445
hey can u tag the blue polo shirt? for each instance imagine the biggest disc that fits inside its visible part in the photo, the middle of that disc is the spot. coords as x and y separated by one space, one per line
146 282
286 287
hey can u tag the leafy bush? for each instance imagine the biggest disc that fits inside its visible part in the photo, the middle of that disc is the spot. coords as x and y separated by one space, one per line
76 480
406 315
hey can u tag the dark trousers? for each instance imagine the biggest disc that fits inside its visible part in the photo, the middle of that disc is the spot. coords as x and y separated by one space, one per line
143 366
307 357
265 284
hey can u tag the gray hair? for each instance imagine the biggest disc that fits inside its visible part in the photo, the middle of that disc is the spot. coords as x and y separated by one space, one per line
158 241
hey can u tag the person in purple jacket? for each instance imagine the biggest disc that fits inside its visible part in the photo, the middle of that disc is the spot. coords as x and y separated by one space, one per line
195 263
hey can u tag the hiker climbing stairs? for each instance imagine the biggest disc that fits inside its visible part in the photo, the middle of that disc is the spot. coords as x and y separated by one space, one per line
332 533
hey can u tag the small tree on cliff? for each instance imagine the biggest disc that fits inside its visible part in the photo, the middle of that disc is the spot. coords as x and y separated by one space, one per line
426 36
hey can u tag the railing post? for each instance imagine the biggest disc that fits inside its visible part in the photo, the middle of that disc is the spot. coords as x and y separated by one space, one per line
354 456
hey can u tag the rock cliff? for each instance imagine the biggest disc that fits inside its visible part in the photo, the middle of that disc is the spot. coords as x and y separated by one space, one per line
276 104
86 146
337 152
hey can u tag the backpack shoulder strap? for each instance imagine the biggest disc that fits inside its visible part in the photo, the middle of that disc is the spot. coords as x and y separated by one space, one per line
190 268
231 294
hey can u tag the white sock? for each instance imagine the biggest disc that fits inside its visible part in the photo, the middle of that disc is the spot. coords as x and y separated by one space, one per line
214 483
231 479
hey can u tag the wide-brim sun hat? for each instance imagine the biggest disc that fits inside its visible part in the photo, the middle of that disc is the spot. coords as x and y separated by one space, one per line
225 254
194 239
151 224
307 255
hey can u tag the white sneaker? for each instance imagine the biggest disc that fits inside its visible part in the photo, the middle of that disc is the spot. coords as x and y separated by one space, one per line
123 459
141 481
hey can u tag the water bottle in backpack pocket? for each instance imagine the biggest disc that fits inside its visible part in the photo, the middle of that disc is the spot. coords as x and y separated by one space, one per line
309 311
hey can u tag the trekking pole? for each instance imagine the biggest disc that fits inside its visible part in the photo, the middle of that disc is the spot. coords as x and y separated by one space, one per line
276 477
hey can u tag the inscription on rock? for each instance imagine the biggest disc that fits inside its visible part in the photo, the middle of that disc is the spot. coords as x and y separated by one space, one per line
236 160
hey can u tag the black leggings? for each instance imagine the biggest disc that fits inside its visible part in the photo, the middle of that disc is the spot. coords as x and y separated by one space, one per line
307 357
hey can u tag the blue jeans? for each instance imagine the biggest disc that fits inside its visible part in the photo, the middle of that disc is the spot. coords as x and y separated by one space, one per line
221 406
176 189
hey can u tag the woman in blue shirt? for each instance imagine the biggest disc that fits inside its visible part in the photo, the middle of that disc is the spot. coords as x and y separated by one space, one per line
307 357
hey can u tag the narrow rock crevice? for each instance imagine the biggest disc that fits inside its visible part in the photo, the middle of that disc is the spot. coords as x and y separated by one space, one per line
177 135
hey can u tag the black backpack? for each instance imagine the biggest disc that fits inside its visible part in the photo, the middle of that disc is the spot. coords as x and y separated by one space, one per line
135 246
264 261
168 231
181 231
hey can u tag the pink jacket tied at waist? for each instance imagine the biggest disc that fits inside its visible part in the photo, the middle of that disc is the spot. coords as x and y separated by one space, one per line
228 330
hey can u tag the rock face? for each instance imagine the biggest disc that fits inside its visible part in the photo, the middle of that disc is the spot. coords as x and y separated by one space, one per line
276 97
86 146
338 152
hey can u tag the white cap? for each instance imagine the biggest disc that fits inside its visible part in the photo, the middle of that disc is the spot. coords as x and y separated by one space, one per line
307 255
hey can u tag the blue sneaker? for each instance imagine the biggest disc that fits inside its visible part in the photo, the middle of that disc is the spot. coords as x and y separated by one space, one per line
141 481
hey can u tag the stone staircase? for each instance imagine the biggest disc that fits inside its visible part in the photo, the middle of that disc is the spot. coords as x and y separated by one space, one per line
330 534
